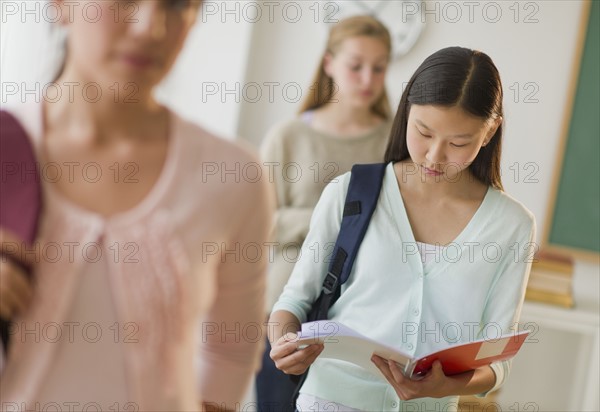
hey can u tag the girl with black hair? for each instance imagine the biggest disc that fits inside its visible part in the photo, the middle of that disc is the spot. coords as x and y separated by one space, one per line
445 259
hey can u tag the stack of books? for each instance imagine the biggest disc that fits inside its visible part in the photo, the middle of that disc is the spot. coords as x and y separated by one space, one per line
551 279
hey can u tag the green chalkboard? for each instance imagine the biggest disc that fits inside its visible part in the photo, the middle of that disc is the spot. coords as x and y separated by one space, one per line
575 221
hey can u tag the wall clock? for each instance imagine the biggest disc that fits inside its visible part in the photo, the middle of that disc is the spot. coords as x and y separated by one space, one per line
403 18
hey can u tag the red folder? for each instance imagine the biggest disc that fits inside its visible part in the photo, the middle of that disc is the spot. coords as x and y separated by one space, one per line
344 343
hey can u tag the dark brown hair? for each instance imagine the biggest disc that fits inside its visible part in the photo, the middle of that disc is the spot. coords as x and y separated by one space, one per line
455 76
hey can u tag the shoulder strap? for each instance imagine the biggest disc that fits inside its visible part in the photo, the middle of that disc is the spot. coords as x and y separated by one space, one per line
361 200
19 185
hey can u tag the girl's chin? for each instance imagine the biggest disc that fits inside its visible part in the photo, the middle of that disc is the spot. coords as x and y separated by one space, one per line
362 104
135 80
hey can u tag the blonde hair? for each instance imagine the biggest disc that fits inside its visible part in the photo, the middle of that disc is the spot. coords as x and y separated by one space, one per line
323 89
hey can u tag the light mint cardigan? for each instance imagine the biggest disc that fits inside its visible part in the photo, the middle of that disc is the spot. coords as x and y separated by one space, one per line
474 288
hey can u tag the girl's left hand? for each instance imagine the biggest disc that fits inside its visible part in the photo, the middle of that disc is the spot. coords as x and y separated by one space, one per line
432 385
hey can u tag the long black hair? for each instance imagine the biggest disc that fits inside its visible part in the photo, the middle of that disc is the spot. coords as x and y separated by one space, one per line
455 76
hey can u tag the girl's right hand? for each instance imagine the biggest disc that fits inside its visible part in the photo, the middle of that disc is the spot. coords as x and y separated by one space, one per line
15 287
291 360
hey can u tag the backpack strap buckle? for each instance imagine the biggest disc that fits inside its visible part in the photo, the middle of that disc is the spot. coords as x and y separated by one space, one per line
330 283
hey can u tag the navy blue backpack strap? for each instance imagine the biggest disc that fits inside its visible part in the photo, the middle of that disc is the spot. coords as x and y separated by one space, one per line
361 200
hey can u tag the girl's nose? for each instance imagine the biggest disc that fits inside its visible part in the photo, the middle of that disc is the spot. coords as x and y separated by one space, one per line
150 20
367 76
436 153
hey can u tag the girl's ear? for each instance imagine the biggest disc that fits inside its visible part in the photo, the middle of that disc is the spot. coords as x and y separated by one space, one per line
492 131
197 9
327 62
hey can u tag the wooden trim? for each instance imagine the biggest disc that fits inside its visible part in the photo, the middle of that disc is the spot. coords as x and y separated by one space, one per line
562 144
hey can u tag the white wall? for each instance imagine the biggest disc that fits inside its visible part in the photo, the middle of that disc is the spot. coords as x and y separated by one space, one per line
213 61
285 52
216 53
232 49
531 57
29 50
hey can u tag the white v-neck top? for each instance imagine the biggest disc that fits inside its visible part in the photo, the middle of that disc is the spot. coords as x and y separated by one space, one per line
474 290
430 253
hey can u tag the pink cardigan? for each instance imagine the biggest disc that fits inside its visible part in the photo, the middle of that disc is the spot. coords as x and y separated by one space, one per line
197 308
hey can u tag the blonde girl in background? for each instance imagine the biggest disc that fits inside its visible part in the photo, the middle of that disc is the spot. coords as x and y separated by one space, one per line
345 119
155 288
